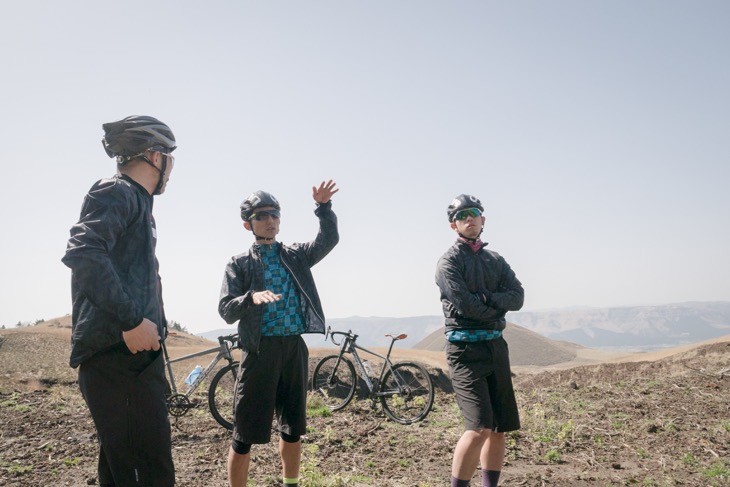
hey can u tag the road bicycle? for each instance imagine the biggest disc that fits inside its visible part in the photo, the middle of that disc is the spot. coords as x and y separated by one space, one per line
221 389
404 389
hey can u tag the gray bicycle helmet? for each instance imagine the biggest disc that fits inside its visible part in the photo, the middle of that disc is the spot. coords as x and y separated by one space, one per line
259 199
462 202
133 135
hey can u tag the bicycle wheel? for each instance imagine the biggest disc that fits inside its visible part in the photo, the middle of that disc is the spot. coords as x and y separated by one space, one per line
406 393
334 380
221 394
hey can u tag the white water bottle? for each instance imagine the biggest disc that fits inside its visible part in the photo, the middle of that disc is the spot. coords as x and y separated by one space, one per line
193 375
368 369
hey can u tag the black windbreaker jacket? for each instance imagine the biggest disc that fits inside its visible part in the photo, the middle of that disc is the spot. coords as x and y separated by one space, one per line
244 275
477 288
114 279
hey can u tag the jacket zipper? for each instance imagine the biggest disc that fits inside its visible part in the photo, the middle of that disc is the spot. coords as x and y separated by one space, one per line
301 289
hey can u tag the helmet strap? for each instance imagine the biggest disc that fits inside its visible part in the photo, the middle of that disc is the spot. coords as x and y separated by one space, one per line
258 237
471 240
161 181
265 239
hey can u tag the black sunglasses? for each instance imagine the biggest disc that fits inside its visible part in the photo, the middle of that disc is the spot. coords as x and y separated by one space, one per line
261 215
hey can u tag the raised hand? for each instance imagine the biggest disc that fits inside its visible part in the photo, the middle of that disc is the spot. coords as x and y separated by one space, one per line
325 191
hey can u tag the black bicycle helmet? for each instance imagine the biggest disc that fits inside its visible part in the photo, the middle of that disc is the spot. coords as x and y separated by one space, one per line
462 202
259 199
133 135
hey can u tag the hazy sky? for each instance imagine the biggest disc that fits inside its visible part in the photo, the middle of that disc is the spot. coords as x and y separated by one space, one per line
595 133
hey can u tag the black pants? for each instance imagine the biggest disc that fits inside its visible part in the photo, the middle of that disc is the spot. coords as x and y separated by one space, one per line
125 393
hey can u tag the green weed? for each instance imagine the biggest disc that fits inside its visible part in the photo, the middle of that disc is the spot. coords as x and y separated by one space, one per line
719 470
318 412
328 434
689 459
20 469
12 404
643 454
552 456
555 431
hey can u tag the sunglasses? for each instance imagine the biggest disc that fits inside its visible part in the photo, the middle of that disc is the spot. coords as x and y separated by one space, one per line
469 212
261 215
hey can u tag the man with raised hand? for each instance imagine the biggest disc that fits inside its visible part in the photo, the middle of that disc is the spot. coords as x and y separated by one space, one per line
478 287
270 291
118 316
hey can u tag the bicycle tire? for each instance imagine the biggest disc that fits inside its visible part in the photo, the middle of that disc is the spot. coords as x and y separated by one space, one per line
412 402
221 395
334 381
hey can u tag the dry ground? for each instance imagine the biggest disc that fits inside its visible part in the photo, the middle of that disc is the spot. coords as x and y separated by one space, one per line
660 422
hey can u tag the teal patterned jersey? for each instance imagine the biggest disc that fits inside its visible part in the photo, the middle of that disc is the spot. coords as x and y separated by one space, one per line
283 317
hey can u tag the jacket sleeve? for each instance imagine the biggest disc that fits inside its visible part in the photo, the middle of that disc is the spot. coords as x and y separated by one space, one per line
327 237
509 296
455 293
104 217
235 302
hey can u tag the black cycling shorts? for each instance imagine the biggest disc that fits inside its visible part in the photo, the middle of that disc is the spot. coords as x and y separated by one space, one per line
125 393
273 381
482 380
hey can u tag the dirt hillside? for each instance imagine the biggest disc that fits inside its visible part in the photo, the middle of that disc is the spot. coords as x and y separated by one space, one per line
629 421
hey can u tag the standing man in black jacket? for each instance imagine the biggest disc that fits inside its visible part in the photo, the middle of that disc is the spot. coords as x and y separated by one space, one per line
270 291
478 287
118 317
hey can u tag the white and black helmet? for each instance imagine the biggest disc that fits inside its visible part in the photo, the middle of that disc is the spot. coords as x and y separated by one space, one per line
462 202
134 135
258 199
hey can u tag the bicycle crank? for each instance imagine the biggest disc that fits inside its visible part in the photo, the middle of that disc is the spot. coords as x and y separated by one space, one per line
178 405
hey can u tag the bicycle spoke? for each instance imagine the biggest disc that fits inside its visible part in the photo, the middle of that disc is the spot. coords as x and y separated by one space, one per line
407 393
334 381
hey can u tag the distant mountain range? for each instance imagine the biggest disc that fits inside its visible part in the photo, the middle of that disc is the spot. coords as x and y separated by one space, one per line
638 328
631 327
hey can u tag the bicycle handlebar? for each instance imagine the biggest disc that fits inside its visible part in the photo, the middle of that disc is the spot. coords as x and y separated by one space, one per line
331 334
229 338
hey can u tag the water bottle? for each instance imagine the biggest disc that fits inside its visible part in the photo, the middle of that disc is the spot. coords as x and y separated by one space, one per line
193 375
368 369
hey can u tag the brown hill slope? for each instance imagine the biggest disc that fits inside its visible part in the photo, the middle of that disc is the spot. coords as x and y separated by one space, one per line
36 356
526 348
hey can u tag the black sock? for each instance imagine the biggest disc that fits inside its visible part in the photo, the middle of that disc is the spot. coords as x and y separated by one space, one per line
490 478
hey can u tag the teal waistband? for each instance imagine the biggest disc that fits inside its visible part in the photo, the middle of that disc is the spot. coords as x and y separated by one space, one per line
472 335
